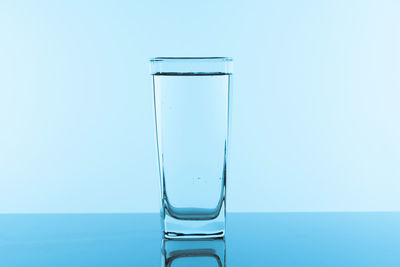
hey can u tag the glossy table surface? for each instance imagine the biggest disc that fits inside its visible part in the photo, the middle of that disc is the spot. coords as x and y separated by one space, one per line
252 239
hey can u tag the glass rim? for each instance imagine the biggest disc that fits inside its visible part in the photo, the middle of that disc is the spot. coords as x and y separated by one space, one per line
213 59
191 65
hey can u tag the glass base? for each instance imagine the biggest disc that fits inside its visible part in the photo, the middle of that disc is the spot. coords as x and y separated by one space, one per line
194 229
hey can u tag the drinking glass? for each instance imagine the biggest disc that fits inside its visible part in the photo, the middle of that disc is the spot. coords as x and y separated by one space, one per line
192 117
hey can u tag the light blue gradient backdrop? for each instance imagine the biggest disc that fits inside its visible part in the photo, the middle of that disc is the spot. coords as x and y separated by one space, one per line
315 113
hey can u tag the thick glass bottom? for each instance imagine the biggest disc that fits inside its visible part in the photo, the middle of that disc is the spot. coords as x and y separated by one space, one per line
194 229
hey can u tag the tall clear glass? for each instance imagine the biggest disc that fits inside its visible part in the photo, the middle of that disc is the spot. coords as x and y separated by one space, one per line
192 115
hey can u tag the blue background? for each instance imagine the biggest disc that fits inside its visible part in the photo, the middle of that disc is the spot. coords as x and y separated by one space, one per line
315 109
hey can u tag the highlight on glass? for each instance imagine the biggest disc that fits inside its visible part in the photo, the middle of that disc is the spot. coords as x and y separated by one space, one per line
192 104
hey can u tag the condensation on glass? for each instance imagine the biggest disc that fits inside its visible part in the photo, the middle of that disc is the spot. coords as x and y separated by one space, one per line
192 117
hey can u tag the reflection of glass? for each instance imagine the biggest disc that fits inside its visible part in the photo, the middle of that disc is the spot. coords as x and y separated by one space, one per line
192 111
204 253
